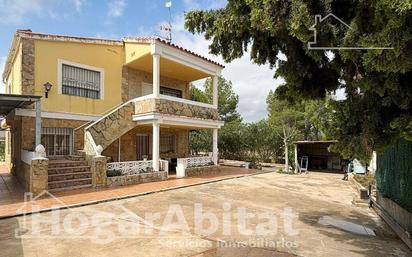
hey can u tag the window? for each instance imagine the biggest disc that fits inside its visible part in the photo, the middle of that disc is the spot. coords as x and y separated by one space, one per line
147 89
79 81
167 143
170 92
57 141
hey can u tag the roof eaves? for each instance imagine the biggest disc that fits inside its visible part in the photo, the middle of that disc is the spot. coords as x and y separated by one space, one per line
150 40
57 37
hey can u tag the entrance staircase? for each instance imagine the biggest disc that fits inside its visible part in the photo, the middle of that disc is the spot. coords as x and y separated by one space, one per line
69 172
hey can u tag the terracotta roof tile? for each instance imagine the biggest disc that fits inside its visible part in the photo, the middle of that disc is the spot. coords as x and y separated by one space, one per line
151 39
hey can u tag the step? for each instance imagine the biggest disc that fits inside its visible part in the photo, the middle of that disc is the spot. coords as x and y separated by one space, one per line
70 169
70 188
70 183
66 163
69 176
75 158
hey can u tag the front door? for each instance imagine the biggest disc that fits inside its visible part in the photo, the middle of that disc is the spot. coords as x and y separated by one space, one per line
57 141
142 146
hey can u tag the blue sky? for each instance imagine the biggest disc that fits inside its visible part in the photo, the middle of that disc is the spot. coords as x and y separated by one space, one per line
118 18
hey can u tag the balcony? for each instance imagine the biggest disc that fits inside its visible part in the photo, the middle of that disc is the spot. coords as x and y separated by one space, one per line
168 105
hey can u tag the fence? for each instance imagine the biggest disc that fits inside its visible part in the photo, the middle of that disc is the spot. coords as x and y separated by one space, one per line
394 173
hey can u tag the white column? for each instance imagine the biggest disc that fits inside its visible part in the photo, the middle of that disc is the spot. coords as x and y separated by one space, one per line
296 159
215 150
156 75
155 146
215 91
38 124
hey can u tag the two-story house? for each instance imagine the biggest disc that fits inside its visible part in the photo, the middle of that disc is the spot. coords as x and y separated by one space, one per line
125 99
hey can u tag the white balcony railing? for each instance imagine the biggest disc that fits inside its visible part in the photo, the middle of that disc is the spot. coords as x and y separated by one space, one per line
137 167
132 167
198 161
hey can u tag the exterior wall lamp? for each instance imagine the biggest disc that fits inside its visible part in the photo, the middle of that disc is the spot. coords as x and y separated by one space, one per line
47 86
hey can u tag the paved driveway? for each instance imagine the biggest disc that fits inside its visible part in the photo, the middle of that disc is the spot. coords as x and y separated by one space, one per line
286 215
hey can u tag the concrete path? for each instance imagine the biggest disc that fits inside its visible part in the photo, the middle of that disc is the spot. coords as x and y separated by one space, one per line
315 217
12 193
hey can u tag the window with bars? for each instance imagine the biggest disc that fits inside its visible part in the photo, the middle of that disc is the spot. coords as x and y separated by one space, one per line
171 92
78 81
57 141
167 143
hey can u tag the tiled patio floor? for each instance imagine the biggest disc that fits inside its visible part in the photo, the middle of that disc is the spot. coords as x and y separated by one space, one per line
12 193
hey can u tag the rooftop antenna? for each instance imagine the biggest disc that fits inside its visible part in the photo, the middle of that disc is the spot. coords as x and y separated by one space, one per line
168 27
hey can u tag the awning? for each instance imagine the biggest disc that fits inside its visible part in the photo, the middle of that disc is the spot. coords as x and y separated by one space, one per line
9 102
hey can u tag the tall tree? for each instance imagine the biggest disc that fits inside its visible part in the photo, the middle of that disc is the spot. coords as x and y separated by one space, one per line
377 109
227 102
287 122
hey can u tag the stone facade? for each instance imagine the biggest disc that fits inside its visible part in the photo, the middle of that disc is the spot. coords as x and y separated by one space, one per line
113 126
98 170
23 175
27 68
28 125
38 175
128 144
187 110
175 108
132 83
136 179
202 171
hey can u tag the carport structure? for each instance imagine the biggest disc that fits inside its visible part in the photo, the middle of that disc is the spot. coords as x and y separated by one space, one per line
319 156
9 103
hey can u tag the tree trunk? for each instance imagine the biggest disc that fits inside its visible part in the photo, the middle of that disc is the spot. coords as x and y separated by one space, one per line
286 156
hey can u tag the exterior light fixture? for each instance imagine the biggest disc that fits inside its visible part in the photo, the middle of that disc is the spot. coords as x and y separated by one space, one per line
47 87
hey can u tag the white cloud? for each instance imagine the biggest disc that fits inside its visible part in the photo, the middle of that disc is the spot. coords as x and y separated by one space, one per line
78 4
2 63
116 8
16 11
251 82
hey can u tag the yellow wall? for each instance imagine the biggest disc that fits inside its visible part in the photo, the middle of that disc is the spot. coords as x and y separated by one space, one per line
15 75
135 51
107 57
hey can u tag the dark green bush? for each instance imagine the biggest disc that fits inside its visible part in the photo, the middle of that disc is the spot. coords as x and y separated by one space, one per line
114 173
2 151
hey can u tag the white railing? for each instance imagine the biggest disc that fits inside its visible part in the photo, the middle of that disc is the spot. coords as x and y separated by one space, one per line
198 161
132 167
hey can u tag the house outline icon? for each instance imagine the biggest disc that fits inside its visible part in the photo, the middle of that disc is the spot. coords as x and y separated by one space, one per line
318 20
28 197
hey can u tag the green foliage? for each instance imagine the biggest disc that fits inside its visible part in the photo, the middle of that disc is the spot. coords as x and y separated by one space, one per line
227 101
200 141
2 151
377 110
254 142
365 179
113 173
394 173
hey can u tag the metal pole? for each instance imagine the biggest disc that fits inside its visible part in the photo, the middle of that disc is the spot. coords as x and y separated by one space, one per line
118 157
38 123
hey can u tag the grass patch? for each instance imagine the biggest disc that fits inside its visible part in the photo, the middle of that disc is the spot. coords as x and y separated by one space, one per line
365 180
282 171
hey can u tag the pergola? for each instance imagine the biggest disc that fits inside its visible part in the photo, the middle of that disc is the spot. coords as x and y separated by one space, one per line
9 102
